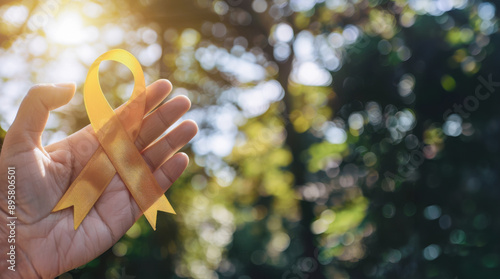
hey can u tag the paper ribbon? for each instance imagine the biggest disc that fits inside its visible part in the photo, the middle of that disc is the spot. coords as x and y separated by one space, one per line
117 152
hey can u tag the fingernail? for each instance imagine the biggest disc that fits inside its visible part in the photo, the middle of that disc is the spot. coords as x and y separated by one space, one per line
65 85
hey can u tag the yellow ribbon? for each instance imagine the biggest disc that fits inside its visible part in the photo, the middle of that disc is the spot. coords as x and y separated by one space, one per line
117 151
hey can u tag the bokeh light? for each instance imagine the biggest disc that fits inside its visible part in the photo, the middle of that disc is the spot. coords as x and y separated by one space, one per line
338 139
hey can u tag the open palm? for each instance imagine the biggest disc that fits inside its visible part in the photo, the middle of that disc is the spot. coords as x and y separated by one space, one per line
47 243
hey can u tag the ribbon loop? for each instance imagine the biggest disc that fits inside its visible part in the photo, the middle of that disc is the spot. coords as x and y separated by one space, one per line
117 152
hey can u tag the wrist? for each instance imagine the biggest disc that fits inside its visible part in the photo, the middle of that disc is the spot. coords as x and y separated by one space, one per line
14 263
20 269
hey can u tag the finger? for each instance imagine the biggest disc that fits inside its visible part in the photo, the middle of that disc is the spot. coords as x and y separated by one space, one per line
155 94
156 154
34 110
160 120
170 171
166 175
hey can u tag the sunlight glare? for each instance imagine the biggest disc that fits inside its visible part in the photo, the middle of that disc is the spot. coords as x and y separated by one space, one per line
67 29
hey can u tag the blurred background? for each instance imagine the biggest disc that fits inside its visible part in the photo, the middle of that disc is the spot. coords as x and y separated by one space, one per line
338 138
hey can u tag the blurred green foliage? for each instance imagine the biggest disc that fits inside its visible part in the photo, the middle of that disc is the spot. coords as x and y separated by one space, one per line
339 138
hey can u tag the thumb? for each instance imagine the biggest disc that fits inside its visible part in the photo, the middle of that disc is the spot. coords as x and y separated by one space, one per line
34 110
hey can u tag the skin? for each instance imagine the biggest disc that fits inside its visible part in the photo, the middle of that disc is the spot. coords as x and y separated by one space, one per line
46 243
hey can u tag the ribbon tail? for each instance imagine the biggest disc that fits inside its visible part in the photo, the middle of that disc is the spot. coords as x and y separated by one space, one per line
162 204
133 170
79 208
84 192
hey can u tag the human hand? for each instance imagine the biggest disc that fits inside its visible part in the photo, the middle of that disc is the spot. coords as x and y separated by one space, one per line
47 243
